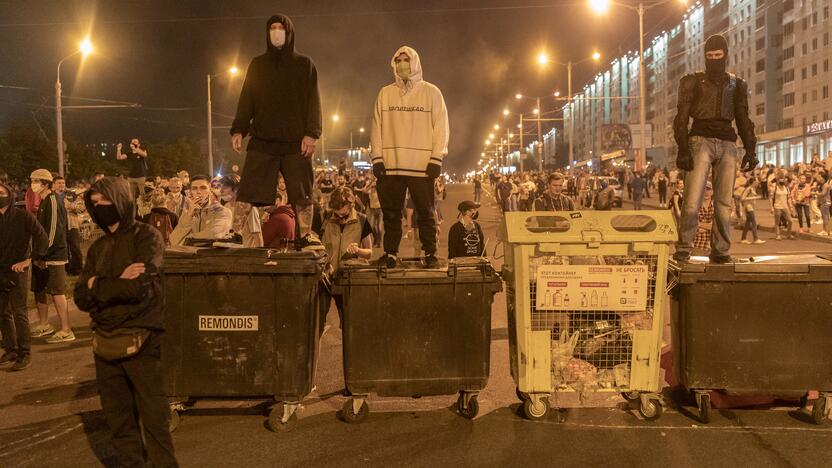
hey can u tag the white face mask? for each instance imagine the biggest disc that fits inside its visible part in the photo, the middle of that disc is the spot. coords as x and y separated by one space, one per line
277 37
37 187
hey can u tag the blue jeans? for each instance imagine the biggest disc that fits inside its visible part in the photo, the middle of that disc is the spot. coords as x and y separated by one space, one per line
750 224
721 157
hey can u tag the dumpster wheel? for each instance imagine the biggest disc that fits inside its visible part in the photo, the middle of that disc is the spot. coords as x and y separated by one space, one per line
631 397
349 413
703 402
649 407
820 411
521 395
470 410
536 407
283 417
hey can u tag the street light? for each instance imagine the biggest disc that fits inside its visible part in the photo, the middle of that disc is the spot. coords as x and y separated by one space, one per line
518 96
496 126
85 48
336 117
490 136
506 112
601 7
557 93
233 71
542 58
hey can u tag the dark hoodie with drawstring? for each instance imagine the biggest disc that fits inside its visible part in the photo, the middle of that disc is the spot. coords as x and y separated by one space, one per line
114 302
279 103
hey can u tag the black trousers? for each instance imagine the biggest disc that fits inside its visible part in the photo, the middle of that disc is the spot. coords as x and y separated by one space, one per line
14 319
132 389
258 184
391 193
76 260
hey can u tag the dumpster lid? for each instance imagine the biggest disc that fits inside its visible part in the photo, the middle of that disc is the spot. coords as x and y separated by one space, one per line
802 265
412 269
581 226
248 260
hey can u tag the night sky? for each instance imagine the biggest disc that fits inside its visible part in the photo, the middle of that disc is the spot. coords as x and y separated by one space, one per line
157 53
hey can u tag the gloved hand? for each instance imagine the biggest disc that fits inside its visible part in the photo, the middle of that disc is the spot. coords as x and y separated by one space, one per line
378 170
434 170
684 160
749 162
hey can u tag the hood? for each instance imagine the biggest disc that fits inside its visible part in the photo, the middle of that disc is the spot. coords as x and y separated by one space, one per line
289 46
11 194
285 209
415 68
117 190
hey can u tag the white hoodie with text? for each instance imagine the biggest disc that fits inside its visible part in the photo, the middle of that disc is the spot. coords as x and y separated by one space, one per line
410 123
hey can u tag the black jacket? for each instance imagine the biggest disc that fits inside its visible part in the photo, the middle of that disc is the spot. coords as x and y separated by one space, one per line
713 105
52 217
279 103
114 302
19 229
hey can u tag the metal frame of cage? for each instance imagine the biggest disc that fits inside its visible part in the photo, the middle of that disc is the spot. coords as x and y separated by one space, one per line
586 350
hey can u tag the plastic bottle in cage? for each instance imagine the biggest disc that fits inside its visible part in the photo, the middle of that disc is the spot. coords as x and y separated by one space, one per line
583 299
547 299
566 300
593 299
557 298
604 300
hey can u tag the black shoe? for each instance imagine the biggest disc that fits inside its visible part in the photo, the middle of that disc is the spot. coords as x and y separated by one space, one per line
681 257
8 357
23 363
388 261
431 261
722 259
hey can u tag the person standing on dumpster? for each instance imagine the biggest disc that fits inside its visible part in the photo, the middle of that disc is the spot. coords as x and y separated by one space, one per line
408 142
713 98
121 288
280 107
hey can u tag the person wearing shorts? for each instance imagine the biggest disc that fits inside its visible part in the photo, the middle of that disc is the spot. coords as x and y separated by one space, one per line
280 107
49 273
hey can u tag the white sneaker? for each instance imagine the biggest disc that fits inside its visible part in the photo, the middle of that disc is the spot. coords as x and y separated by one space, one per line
823 233
759 241
41 330
745 241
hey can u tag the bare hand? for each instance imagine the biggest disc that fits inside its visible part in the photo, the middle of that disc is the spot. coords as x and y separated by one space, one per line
307 146
21 266
352 249
237 142
119 146
133 271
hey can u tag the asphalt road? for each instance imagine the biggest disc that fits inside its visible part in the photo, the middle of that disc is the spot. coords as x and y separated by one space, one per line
50 416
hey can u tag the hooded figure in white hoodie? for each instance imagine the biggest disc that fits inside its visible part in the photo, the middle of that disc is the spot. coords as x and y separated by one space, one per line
408 142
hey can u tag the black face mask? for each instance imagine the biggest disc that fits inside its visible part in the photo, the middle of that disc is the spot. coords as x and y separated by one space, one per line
476 215
106 215
715 69
4 201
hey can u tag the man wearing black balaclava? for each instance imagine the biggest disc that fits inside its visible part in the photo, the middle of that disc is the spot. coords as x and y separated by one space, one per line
713 98
280 108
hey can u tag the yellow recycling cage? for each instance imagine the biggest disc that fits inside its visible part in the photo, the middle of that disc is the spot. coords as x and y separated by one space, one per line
585 293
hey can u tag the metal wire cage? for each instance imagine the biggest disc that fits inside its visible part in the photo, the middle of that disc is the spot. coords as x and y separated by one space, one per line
584 340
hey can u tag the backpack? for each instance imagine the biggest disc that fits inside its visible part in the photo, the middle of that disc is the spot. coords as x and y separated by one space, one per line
162 223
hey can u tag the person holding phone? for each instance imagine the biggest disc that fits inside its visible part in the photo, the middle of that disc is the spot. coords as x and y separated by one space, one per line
137 161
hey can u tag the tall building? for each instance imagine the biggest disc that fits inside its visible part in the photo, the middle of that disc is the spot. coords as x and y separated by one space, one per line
781 48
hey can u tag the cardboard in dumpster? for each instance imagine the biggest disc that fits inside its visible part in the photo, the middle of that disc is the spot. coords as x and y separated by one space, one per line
592 287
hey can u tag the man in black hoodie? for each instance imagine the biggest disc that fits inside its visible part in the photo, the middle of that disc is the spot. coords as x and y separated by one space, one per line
280 108
18 230
121 288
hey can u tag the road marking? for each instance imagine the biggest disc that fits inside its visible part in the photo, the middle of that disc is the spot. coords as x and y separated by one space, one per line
37 442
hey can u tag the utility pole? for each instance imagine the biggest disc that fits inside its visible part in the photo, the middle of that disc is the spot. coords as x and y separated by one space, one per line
539 139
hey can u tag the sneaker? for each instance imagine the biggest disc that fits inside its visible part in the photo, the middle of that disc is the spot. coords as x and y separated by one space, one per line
745 241
61 337
792 237
823 233
759 241
388 261
681 257
22 363
778 237
431 261
41 330
722 259
8 357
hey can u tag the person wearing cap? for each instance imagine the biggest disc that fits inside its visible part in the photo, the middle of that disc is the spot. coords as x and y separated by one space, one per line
49 273
466 238
713 99
245 219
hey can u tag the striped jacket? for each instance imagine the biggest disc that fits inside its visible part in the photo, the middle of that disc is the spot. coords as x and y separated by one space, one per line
52 217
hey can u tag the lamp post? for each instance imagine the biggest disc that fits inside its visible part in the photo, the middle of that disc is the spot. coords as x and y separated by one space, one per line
85 48
601 7
232 71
